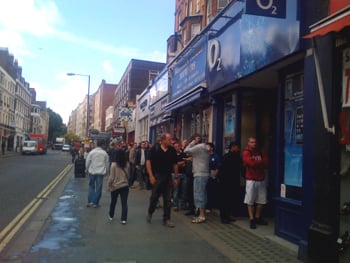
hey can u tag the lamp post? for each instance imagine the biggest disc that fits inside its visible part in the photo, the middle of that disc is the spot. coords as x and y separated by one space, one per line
88 101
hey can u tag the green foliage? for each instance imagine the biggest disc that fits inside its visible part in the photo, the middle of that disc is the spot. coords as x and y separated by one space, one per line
56 126
71 137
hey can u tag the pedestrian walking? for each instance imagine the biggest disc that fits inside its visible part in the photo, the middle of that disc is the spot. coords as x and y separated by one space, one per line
140 164
118 184
200 167
229 182
132 168
180 191
161 163
255 162
97 166
3 145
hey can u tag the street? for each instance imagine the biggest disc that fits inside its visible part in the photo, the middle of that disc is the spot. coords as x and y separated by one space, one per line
65 230
24 176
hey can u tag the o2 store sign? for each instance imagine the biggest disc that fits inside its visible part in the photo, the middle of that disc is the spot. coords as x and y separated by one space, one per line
272 8
214 55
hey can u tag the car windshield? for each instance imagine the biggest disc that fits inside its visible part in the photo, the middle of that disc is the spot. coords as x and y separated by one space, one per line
29 144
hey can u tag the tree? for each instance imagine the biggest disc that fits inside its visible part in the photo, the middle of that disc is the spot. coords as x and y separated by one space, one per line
71 137
56 126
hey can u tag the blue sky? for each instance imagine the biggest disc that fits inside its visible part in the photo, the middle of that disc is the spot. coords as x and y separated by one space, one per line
96 38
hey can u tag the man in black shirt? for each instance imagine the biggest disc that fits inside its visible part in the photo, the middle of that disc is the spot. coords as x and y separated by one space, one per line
161 163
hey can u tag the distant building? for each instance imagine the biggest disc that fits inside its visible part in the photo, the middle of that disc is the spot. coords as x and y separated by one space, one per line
137 76
15 102
103 98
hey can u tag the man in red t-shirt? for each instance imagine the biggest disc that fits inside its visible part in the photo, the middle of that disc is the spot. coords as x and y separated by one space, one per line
255 163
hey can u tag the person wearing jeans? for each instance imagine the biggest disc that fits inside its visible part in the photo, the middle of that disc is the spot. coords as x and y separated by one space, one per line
161 163
180 192
200 166
97 166
118 184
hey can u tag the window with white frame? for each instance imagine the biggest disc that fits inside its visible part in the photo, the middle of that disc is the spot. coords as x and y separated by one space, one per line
198 6
195 30
222 4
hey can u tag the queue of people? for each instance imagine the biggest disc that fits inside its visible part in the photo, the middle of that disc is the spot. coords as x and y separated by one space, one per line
189 176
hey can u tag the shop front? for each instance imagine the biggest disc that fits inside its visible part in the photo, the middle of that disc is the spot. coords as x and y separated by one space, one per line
329 65
161 121
255 74
189 103
142 117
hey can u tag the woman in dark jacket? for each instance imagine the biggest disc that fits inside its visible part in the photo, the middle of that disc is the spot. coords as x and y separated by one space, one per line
229 182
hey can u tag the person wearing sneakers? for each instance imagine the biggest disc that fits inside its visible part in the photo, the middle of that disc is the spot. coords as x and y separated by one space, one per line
97 166
118 184
200 167
255 162
161 163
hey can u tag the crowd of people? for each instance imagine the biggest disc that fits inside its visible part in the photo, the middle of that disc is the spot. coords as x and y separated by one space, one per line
189 176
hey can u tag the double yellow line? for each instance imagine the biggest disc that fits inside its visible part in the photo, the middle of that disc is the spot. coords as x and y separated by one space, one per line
12 228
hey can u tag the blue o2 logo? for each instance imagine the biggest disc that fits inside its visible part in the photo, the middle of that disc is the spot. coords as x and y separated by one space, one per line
267 6
214 55
272 8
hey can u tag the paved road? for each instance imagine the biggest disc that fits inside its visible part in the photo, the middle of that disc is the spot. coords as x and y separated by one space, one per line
22 178
74 233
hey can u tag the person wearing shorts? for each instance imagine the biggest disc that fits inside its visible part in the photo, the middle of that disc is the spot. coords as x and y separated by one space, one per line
255 162
200 168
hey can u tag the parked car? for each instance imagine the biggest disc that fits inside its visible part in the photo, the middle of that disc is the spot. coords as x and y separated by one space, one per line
66 148
30 147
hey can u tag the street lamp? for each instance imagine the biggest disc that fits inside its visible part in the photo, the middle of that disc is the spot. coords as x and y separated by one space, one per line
88 101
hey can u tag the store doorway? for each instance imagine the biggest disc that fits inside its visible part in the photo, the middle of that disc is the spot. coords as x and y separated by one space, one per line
258 109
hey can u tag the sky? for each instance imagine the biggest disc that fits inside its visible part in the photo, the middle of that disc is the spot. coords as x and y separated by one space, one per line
97 38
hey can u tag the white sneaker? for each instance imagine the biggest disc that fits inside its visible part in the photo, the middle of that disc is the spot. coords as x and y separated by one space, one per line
123 222
110 218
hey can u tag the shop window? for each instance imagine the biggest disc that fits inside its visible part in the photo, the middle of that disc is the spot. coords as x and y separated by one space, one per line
229 120
344 146
293 137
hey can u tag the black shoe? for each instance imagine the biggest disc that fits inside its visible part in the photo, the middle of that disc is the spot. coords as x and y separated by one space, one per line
225 221
252 224
232 219
149 217
260 221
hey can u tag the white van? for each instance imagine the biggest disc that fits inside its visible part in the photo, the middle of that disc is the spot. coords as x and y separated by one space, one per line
30 147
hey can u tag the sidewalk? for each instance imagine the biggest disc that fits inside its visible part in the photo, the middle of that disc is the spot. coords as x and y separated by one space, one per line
64 230
9 154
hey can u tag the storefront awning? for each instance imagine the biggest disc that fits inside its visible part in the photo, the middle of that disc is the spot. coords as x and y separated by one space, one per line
332 23
185 99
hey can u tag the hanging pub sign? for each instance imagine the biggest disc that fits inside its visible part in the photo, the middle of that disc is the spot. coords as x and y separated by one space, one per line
125 114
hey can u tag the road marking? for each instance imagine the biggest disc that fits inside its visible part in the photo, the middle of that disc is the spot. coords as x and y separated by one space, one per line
12 228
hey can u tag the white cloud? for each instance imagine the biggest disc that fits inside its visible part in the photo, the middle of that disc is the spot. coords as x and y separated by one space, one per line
22 19
108 67
30 16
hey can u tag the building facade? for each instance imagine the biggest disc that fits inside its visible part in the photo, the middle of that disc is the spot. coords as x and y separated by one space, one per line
137 76
103 98
251 72
20 113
